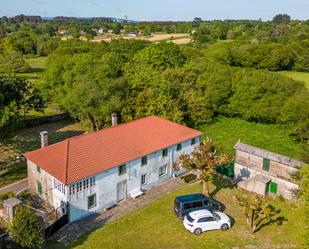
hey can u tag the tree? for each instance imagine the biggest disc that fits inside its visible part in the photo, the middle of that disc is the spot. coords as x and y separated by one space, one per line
25 228
282 18
205 160
258 211
17 96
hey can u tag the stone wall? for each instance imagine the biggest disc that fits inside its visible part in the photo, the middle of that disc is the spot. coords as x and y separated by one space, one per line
44 178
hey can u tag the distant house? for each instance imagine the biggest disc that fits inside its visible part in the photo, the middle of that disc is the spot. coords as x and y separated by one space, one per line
63 32
264 172
94 171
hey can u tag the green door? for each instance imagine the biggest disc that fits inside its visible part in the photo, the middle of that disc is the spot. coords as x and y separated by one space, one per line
273 187
39 188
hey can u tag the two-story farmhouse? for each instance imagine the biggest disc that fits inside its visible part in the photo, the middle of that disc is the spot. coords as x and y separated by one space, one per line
94 171
264 172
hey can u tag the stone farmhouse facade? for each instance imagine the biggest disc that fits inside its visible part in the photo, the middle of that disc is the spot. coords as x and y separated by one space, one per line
95 171
265 172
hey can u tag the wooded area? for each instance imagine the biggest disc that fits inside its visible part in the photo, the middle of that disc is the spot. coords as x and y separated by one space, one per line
226 71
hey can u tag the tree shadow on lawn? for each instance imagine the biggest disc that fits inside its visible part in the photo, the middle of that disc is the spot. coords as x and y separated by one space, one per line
221 182
279 220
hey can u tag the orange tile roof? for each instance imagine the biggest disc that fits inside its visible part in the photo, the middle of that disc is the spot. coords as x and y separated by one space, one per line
89 154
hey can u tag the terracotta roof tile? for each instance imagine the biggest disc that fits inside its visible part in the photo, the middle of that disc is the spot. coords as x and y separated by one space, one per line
86 155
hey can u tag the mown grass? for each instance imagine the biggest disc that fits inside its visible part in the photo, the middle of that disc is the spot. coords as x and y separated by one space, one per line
155 226
13 174
301 76
226 132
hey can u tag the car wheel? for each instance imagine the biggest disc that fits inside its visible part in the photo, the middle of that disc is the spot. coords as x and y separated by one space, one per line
197 231
224 227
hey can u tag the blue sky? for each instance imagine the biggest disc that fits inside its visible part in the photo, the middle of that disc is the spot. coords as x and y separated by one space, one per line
159 9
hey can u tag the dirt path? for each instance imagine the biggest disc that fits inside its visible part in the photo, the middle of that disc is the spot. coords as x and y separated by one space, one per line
15 187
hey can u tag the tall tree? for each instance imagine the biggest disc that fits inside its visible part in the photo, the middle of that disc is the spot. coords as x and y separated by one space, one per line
25 228
205 160
281 18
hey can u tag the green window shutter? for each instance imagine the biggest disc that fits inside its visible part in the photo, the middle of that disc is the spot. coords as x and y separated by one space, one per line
38 169
273 188
265 164
39 188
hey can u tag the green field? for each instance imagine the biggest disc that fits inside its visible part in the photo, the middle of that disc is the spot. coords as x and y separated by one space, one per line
226 132
35 76
156 227
27 140
297 76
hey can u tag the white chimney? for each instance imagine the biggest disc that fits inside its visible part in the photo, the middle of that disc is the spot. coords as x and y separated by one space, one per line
44 138
114 119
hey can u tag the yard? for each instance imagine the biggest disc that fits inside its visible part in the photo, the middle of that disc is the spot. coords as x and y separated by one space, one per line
226 132
301 76
27 140
155 226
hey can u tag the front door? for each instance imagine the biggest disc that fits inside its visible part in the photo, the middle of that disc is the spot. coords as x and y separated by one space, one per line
121 190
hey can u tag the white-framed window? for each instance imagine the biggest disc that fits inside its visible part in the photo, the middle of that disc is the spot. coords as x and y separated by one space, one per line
144 160
164 153
163 170
179 147
143 179
122 169
92 201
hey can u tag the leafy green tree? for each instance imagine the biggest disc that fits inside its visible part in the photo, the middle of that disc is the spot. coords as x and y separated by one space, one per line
281 18
205 160
17 96
25 228
13 62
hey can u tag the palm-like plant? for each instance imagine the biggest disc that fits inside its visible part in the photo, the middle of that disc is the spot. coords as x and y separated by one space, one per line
203 159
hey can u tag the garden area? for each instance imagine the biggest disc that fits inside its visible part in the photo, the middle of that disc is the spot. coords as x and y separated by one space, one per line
29 139
156 226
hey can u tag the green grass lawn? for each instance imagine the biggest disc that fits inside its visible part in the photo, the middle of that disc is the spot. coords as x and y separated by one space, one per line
27 140
301 76
156 227
226 132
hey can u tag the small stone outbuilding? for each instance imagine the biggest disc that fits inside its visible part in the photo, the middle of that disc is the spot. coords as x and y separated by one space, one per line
264 172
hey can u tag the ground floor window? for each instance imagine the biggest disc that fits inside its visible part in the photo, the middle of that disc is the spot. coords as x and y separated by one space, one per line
39 188
163 170
92 202
143 179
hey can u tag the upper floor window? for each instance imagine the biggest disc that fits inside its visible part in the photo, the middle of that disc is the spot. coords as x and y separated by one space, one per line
122 169
144 160
266 163
81 185
38 169
193 141
164 153
179 147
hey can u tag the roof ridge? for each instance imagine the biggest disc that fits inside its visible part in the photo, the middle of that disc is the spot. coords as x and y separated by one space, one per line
116 126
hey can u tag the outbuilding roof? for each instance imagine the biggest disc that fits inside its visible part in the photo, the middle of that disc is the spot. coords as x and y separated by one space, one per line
82 156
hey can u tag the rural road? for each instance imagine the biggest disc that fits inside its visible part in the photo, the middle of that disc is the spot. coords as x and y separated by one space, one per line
15 187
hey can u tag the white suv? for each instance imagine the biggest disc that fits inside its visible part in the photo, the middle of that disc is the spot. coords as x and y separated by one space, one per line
203 220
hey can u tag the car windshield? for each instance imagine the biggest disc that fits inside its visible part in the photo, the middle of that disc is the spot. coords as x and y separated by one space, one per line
216 216
189 218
